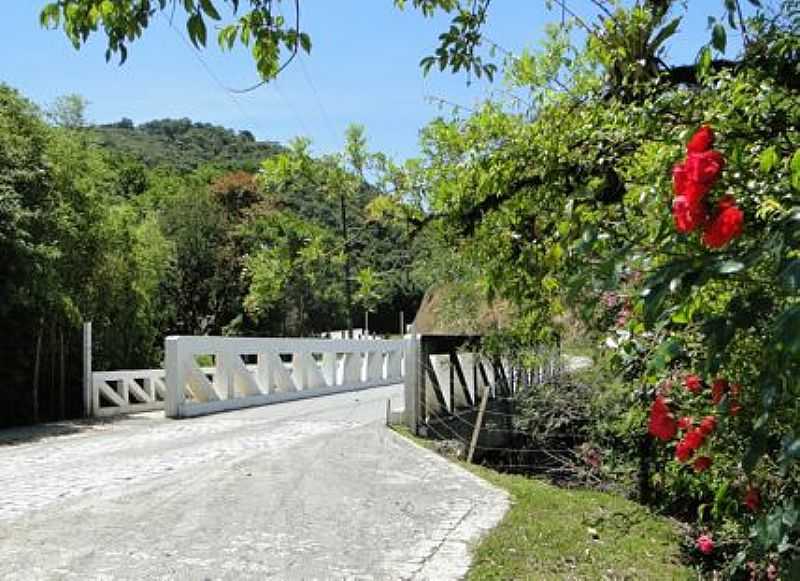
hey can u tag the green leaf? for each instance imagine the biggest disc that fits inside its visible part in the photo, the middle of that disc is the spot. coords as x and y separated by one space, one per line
209 9
197 30
792 450
794 165
787 331
730 6
769 159
664 34
790 276
790 515
305 42
757 448
793 570
704 62
719 37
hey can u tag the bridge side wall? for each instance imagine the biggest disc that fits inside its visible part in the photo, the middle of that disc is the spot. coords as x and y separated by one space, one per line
211 374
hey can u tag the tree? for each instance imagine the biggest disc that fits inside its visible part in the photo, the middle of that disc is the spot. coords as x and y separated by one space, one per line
274 38
292 273
585 210
369 293
72 249
295 178
69 112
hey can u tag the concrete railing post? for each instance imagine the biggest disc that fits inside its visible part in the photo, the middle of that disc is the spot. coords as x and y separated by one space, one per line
175 377
411 382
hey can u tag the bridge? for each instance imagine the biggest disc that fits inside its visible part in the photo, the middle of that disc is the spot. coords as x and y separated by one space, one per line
314 488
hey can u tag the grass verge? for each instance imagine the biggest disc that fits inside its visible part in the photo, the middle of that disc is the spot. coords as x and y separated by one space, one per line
555 533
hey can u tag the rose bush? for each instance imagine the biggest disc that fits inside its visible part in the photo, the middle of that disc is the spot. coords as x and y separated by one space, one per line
666 216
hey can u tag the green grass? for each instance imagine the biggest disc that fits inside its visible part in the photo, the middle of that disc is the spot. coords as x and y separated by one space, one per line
555 533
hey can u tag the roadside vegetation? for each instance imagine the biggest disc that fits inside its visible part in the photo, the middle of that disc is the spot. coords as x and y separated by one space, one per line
646 210
556 533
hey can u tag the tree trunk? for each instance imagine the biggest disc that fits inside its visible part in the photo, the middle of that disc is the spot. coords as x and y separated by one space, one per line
62 384
347 289
36 369
53 384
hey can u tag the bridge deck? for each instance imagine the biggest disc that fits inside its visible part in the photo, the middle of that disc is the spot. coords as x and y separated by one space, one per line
308 489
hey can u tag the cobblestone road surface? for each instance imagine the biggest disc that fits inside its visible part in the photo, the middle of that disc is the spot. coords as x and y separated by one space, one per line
314 489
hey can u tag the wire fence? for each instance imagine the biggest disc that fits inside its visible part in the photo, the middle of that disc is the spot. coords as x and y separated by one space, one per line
450 408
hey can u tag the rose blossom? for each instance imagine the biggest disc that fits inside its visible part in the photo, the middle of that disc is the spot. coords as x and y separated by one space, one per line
694 438
702 463
752 500
705 544
727 224
688 213
693 383
683 451
704 167
718 389
701 141
708 424
662 424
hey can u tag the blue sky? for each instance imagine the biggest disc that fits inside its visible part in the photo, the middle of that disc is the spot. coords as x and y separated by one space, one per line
363 68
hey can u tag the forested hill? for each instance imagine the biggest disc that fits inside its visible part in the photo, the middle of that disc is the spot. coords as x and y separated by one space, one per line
185 145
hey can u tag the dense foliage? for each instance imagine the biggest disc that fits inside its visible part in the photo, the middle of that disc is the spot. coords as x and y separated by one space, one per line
90 233
657 204
184 145
678 249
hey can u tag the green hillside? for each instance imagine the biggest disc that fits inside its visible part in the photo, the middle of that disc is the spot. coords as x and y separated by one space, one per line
184 145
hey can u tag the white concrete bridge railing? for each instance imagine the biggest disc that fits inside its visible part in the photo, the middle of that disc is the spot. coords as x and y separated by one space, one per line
211 374
129 391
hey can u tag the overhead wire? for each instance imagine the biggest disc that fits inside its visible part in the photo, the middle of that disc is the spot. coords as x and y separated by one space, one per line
206 66
325 117
231 93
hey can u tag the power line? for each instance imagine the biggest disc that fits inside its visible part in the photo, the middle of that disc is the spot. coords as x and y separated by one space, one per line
315 93
207 68
231 94
326 118
274 84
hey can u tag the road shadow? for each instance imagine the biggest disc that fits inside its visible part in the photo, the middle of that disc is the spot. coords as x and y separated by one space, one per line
33 433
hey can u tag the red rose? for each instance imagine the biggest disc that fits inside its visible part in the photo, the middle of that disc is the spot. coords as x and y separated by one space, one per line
735 408
708 424
726 224
705 544
702 464
704 167
683 185
680 179
683 451
685 423
694 439
752 500
693 383
662 424
718 389
689 444
701 141
688 214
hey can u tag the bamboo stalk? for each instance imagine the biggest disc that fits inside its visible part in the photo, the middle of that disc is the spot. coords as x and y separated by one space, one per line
35 394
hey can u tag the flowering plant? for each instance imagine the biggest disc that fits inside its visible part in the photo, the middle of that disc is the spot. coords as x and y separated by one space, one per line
692 180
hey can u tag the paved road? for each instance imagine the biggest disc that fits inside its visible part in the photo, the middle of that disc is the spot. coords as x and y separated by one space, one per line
314 489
